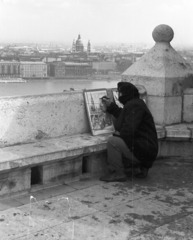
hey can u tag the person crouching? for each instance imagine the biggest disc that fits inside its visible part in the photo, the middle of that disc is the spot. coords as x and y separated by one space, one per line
134 145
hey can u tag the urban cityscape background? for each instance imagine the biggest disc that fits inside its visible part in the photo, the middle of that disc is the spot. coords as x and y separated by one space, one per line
54 55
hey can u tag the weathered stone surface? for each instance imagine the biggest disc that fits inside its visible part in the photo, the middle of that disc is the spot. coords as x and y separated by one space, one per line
162 62
164 73
43 193
60 157
191 130
15 181
15 223
176 148
9 202
63 171
159 207
161 132
180 229
50 150
94 227
166 110
85 183
188 106
45 235
56 210
179 131
108 195
31 118
163 33
97 163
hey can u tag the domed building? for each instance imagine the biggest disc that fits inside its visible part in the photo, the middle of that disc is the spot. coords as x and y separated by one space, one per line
78 47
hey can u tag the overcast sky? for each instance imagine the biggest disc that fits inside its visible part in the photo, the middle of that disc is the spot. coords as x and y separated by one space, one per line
100 21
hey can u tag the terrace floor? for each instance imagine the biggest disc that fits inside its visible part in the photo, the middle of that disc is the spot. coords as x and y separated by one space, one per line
158 208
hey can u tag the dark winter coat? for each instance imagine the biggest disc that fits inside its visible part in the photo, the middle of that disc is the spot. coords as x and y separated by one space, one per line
137 128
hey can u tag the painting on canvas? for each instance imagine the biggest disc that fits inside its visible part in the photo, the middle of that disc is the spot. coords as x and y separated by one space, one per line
100 121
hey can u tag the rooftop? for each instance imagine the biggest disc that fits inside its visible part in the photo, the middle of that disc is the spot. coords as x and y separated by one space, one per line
31 62
159 207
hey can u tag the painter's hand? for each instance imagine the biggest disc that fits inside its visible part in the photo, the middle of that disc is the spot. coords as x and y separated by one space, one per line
106 101
116 134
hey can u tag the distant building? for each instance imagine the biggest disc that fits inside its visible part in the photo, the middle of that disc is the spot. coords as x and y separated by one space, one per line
33 70
88 47
48 59
50 66
103 67
78 47
9 69
71 69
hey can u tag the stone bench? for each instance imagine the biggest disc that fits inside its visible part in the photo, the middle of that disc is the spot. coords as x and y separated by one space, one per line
60 160
49 161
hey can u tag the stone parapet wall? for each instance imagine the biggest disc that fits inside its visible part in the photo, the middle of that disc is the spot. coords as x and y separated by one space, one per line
31 118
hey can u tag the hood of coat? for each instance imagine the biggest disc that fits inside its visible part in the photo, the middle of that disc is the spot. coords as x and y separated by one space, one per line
127 91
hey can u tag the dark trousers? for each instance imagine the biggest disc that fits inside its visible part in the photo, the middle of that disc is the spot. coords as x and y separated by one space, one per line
119 155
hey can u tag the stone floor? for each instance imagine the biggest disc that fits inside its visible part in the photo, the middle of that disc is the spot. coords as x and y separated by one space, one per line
160 207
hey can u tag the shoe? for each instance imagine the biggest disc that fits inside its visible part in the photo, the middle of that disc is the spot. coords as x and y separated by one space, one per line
132 171
143 173
128 163
115 177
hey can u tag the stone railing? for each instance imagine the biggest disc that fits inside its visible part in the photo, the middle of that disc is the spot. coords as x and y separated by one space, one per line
31 118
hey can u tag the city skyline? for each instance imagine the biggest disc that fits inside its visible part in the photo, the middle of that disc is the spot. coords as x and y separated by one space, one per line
100 21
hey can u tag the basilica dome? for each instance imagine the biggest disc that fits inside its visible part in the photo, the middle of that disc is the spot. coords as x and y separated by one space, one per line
79 45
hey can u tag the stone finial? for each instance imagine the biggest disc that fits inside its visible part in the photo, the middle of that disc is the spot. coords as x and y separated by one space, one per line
165 74
163 33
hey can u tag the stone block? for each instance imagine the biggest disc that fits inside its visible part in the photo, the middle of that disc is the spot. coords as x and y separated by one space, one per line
161 132
63 171
97 163
190 128
15 181
188 107
178 132
153 86
165 110
173 110
160 85
175 149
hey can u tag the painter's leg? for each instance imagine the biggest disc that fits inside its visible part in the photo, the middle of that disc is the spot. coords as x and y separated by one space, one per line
119 155
117 150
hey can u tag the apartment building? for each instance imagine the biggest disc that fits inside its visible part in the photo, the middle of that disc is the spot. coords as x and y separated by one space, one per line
9 68
70 69
104 67
33 70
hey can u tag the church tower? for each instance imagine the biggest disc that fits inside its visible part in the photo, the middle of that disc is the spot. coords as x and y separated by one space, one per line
88 47
73 47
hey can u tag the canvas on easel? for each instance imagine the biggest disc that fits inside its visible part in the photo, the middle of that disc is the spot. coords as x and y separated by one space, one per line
100 121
